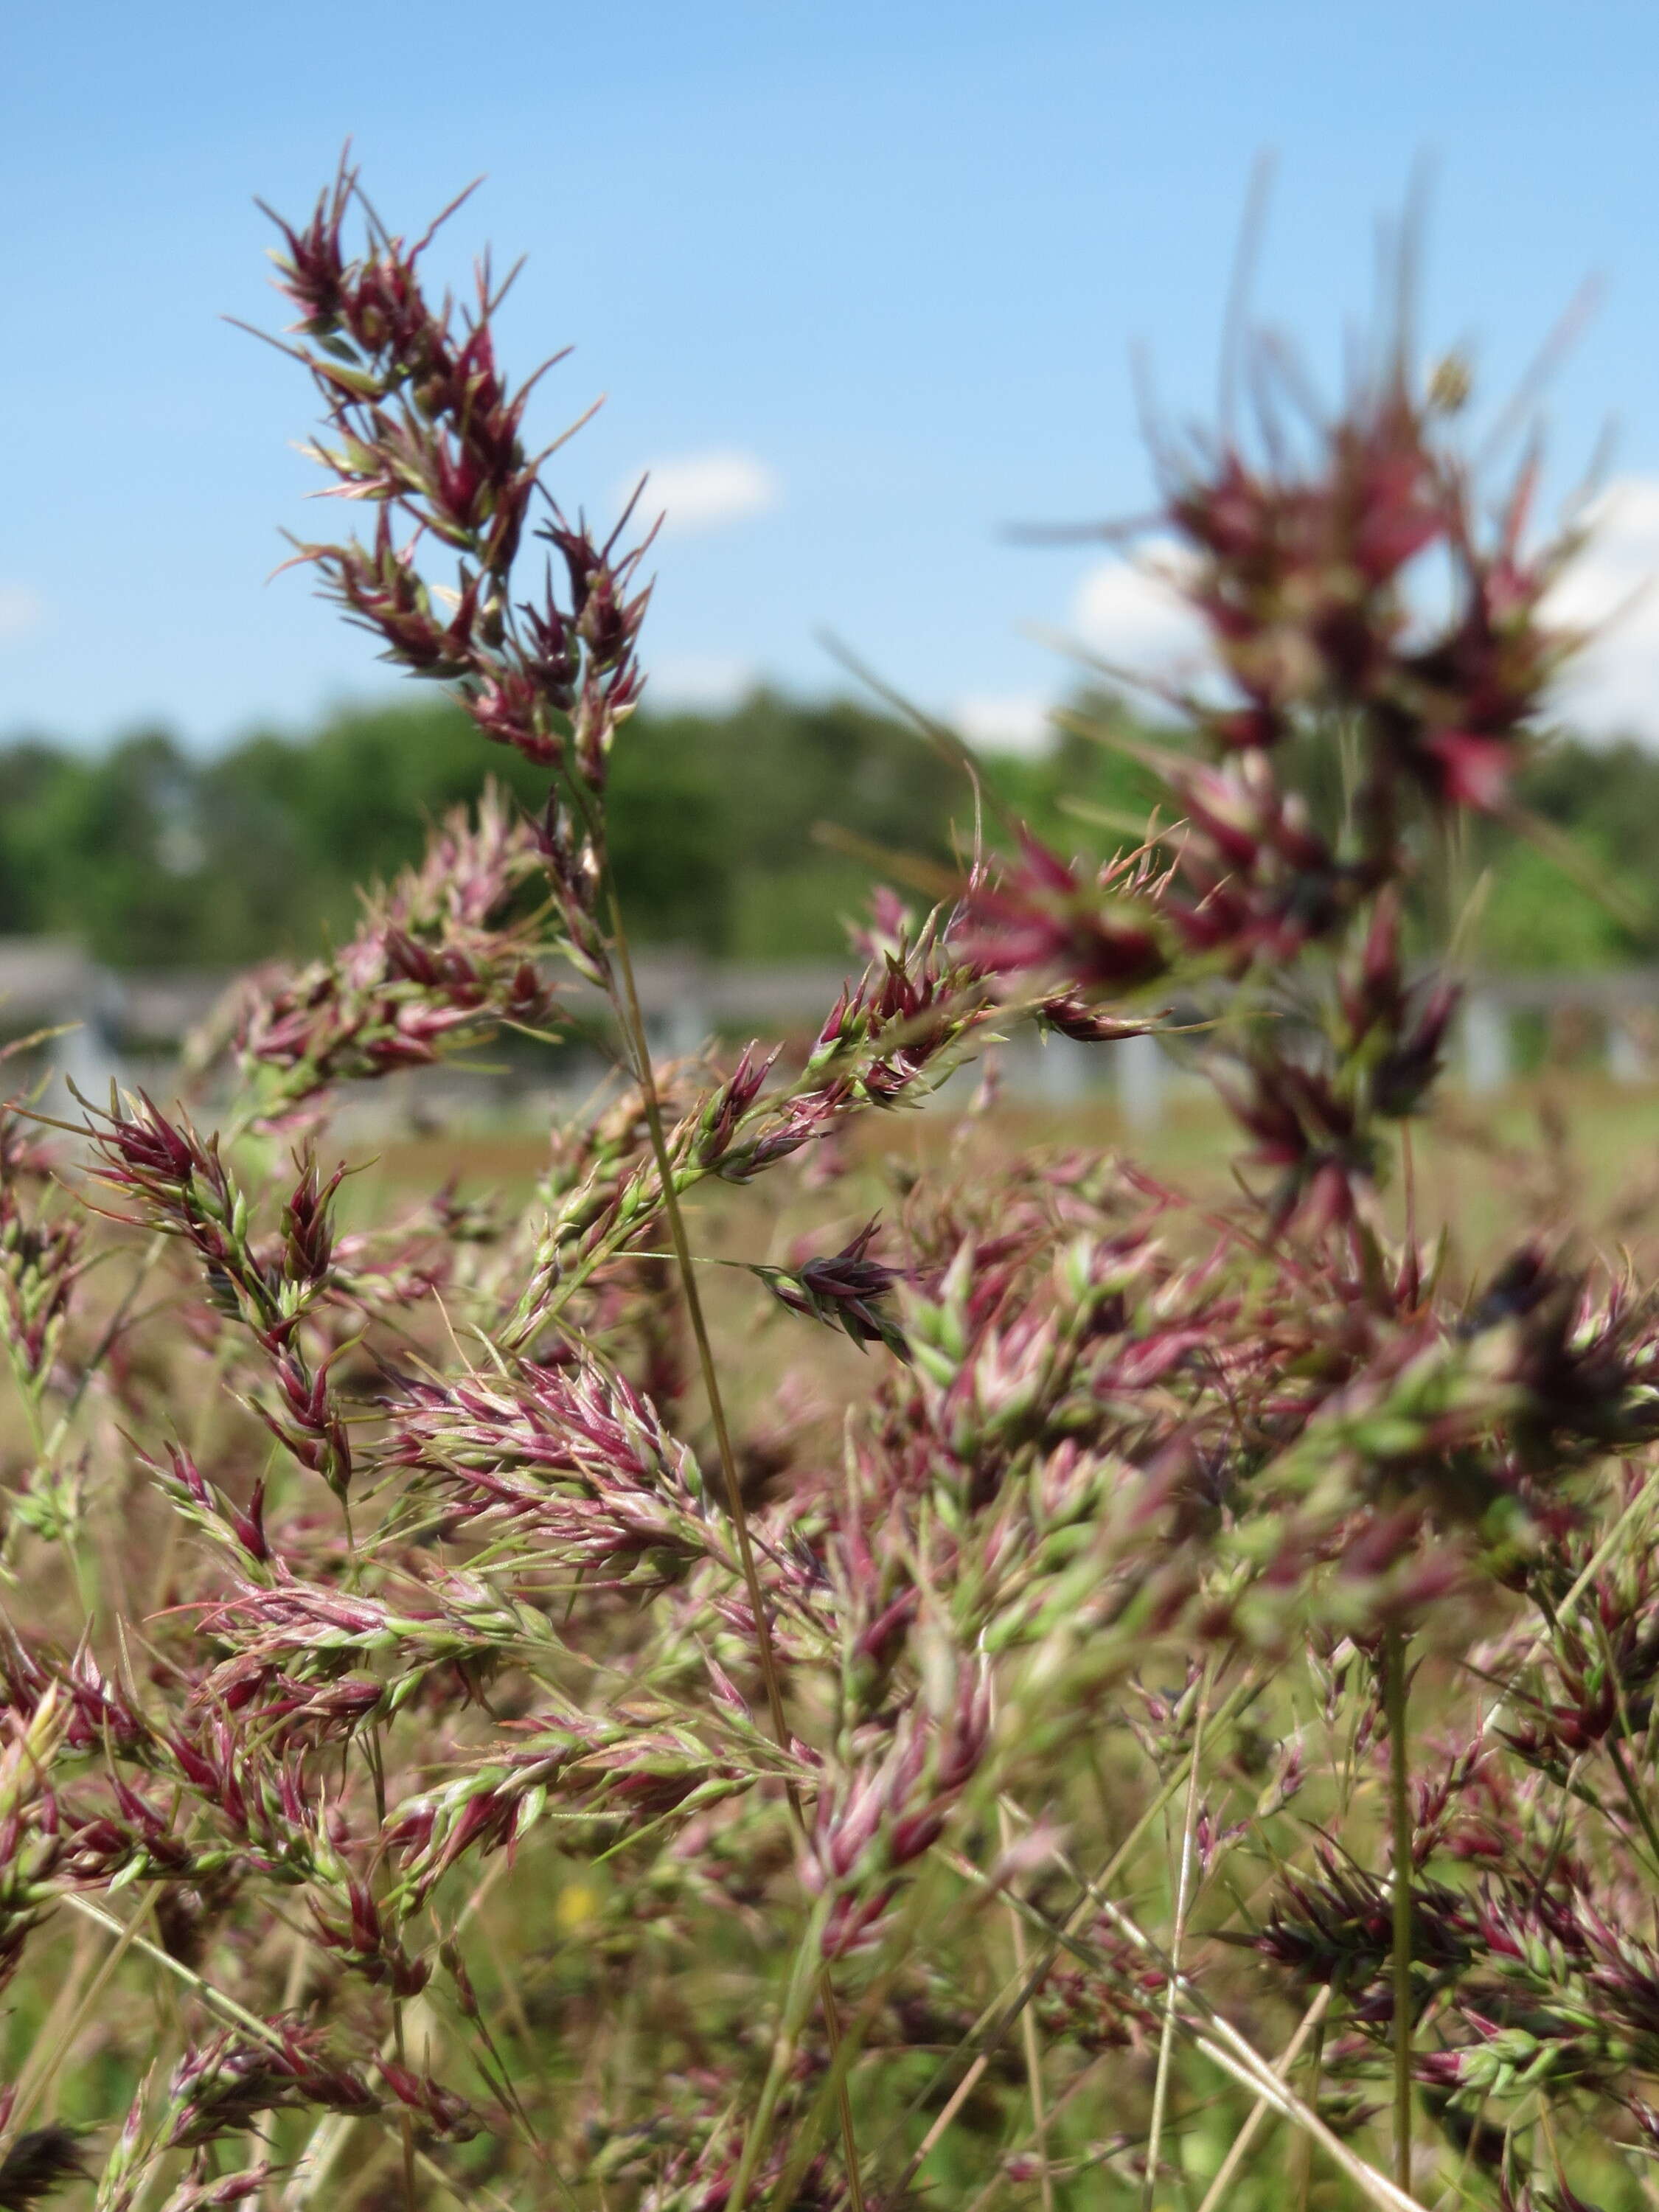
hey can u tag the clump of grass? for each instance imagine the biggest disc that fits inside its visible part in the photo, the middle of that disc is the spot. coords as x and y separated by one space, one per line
497 1713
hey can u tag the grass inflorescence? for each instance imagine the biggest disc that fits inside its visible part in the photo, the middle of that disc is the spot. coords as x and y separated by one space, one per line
1021 1683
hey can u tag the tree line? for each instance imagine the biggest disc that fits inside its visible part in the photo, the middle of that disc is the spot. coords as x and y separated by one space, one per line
153 856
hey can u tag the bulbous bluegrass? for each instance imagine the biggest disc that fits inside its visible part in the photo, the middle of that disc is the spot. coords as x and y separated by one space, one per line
423 1597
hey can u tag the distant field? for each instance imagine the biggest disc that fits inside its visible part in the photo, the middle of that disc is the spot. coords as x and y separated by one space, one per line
1580 1148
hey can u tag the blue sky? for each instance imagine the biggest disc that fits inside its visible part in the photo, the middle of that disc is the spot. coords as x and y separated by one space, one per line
859 281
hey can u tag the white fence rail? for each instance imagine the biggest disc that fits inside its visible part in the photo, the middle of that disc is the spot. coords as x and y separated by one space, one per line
113 1023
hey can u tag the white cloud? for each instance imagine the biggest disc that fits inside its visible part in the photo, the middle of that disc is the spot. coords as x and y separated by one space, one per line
21 611
1006 722
705 491
706 681
1612 587
1130 613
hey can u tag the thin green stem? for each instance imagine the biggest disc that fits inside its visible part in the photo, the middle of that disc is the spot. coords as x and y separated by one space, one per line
997 2022
43 2063
798 2003
1616 1739
1312 2021
1604 1550
1183 1900
1393 1692
674 1216
214 1998
375 1757
1028 2031
1208 2030
1315 2080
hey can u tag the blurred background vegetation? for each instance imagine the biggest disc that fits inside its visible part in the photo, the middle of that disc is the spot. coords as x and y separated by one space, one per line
154 856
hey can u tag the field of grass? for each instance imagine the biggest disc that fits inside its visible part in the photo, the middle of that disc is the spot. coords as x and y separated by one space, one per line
756 1649
581 1962
1562 1148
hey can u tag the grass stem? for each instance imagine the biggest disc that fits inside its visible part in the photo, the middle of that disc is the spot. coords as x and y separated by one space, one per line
1182 1903
640 1046
1394 1702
